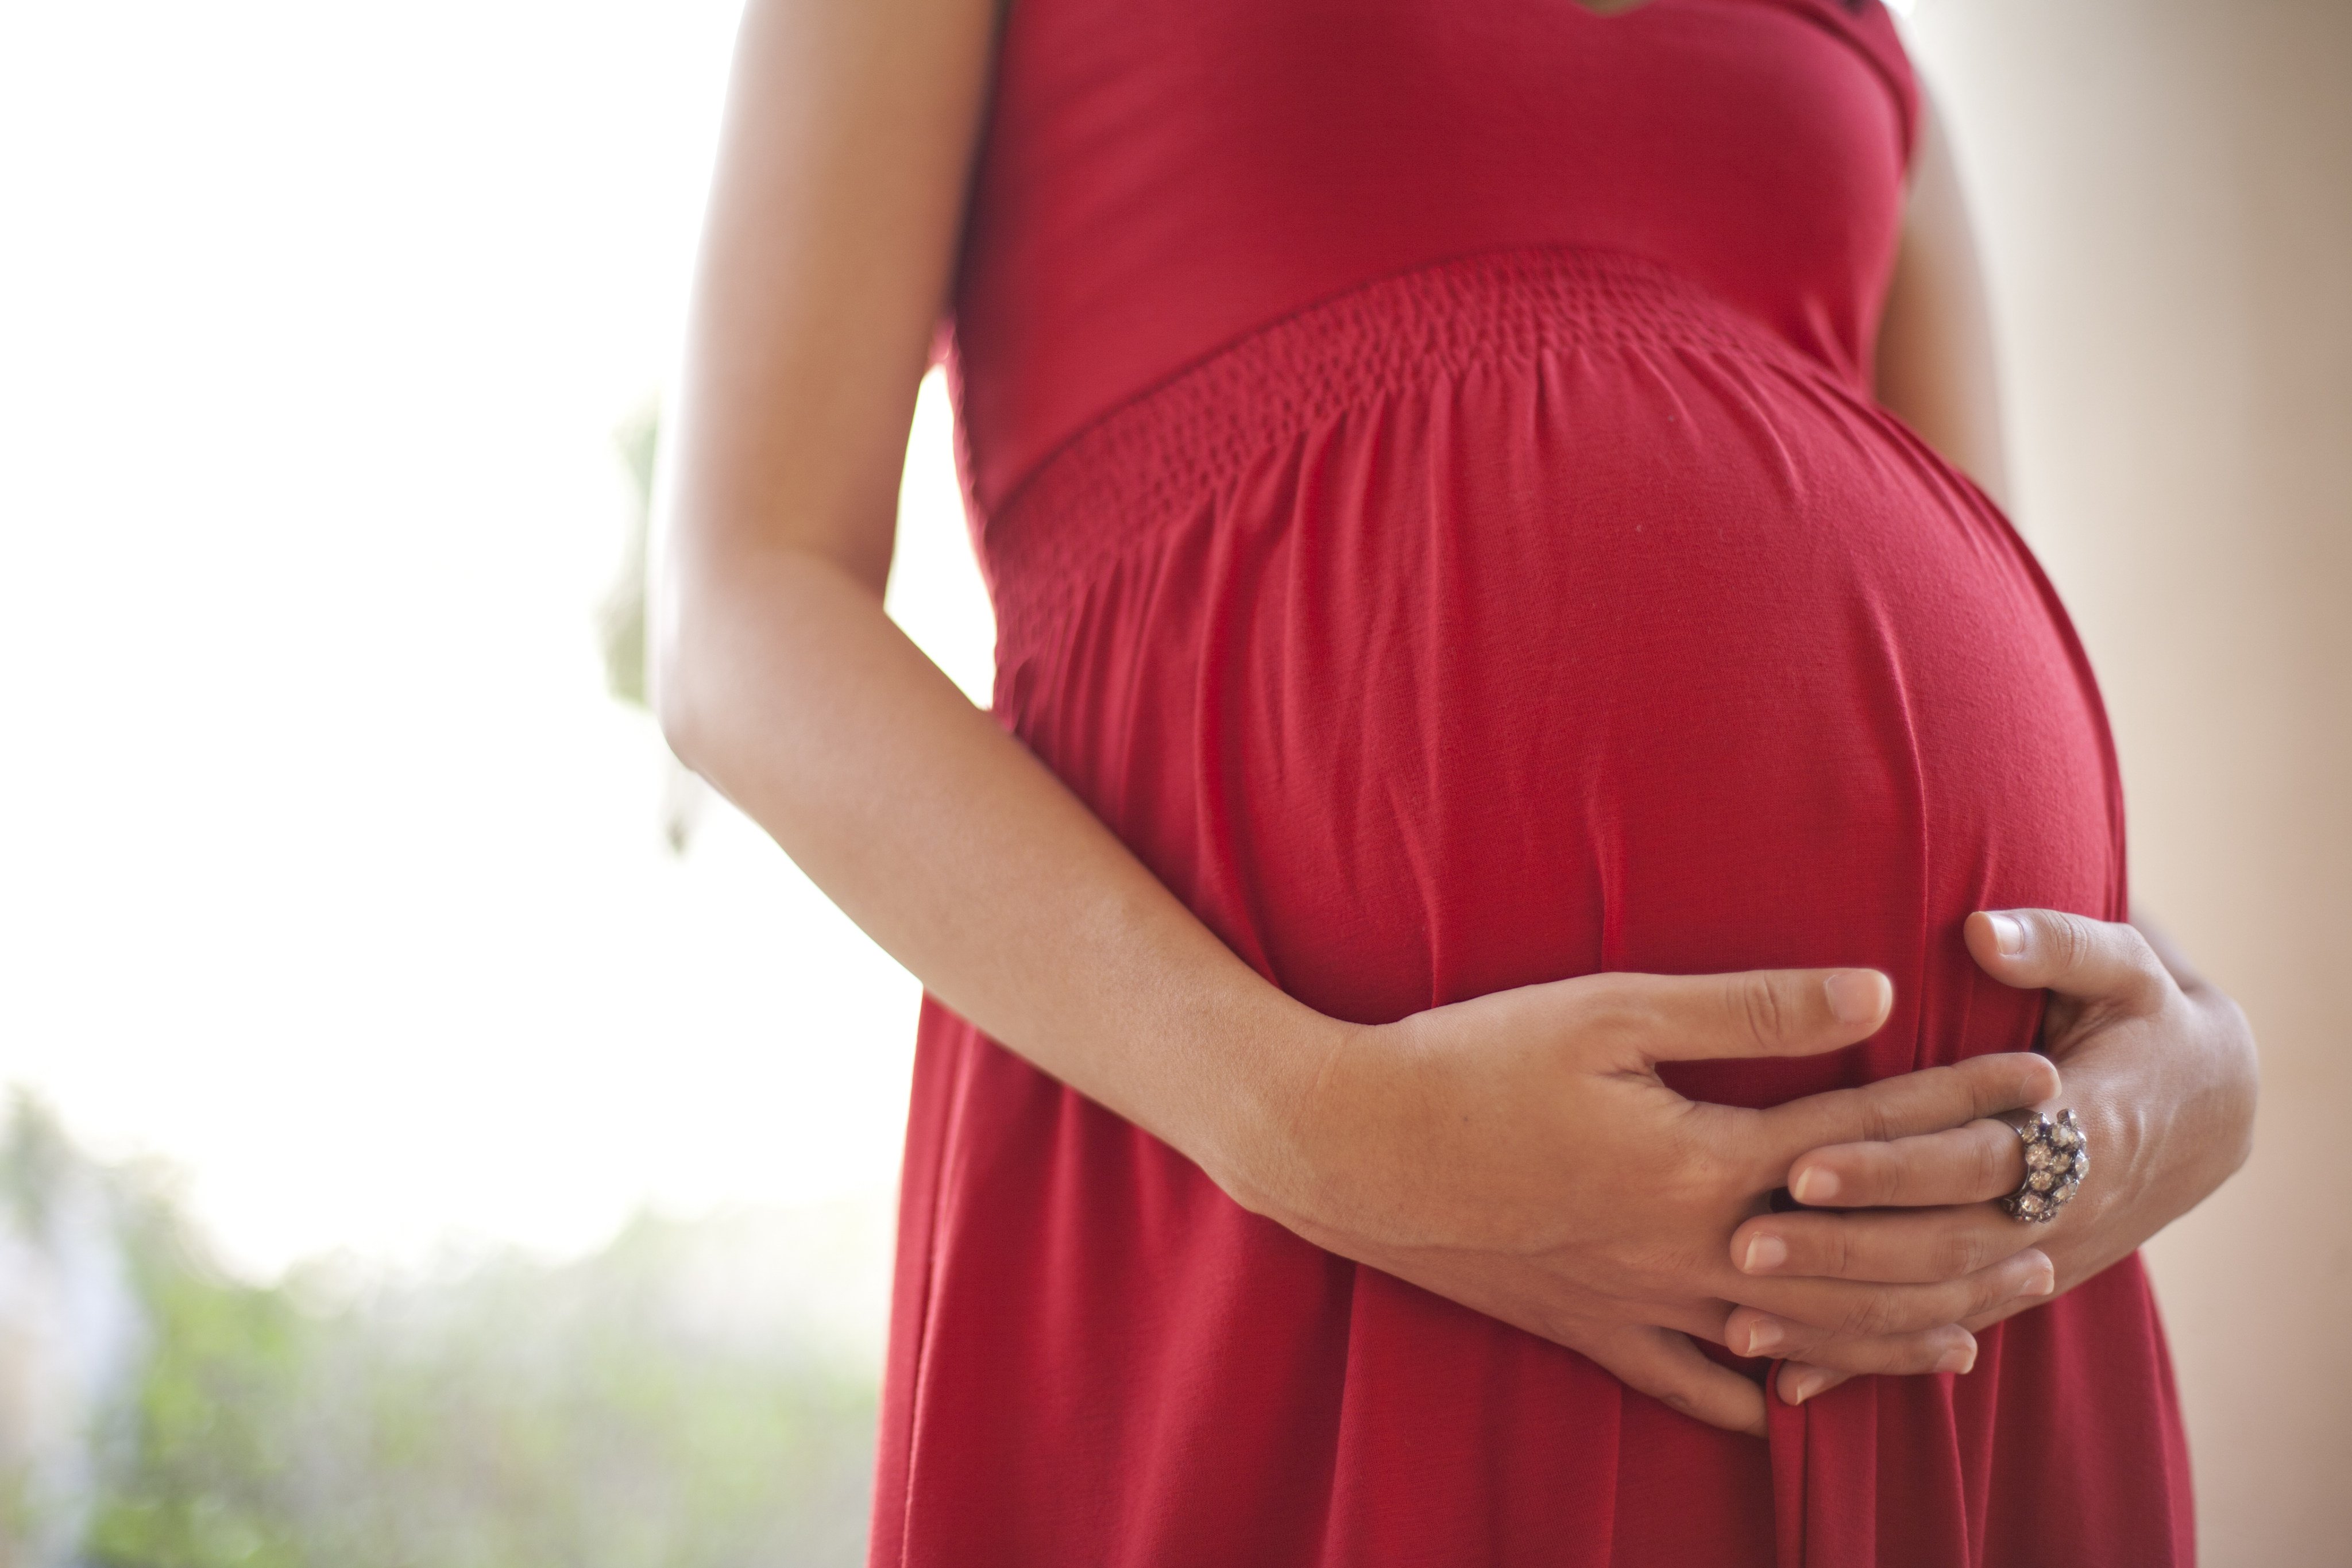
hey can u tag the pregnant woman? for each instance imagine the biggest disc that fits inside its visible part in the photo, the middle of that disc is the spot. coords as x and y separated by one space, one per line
1535 818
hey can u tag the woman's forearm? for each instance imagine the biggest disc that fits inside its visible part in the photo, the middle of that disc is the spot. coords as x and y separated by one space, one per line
787 685
830 244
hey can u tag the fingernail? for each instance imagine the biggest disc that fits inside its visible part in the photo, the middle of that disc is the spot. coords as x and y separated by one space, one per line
1857 995
1813 1185
1765 1253
1764 1335
2007 935
2043 1280
1960 1358
1802 1383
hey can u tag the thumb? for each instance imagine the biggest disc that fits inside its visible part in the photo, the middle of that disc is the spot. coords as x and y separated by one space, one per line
2071 955
1755 1013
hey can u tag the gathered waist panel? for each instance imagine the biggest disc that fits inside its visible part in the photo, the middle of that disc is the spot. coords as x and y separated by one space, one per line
1118 483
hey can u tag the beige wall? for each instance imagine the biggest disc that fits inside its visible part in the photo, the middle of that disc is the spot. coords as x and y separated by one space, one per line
2166 192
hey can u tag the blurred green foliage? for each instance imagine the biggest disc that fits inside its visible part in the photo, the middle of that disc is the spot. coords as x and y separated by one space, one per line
636 1408
621 619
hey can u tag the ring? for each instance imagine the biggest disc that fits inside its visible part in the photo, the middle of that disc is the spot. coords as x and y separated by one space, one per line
2055 1159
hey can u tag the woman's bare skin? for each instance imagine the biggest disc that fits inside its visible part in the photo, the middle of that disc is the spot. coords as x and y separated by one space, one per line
1476 1149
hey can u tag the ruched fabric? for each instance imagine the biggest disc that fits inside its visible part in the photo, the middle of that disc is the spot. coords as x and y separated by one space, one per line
1512 612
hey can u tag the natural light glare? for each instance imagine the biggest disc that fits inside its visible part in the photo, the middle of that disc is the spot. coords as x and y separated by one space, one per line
333 875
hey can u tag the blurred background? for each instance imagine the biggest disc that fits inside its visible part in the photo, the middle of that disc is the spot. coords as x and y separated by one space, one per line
442 1135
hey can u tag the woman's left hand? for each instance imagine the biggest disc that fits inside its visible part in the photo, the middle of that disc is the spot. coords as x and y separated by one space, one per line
2157 1063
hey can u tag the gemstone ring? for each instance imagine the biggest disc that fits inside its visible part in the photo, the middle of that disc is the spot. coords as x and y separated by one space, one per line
2056 1161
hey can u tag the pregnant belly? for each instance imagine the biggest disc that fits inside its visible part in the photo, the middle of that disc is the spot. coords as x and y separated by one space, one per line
1533 618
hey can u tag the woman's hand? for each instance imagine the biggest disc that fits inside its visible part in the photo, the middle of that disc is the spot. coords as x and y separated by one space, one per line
1518 1153
2159 1065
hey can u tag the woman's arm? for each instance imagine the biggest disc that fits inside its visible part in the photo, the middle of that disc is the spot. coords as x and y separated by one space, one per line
838 197
1936 365
1518 1153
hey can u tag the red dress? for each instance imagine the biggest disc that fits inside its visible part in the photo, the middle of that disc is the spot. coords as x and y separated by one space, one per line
1424 456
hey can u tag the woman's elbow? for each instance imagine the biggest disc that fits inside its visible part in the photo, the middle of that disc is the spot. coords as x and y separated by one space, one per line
677 713
677 662
734 631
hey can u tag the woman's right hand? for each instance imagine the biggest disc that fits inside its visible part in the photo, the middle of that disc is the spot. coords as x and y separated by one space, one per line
1518 1153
